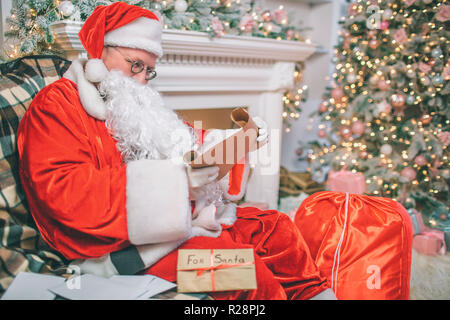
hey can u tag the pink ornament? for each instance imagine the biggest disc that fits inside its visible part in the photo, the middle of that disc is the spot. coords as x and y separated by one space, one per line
383 85
400 36
337 94
408 173
425 29
290 34
444 137
384 25
446 73
443 14
280 16
373 44
321 133
420 160
384 106
247 23
266 15
217 25
424 67
358 127
352 9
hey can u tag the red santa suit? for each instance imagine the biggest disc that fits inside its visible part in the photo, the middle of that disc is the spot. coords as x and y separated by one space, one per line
113 217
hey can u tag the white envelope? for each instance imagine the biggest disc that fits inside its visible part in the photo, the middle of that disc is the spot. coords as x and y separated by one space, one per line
151 285
32 286
91 287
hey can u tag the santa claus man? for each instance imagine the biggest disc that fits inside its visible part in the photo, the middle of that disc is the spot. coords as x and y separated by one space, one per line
100 162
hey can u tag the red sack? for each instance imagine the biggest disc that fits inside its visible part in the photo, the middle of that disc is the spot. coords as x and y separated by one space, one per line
364 251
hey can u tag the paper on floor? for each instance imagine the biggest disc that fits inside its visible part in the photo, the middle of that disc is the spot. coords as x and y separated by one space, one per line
32 286
35 286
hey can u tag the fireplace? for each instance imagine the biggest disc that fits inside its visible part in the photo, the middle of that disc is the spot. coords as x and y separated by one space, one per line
198 74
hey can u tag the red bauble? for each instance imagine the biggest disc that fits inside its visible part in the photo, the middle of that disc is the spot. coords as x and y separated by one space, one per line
425 119
345 132
321 133
384 25
398 100
323 107
373 44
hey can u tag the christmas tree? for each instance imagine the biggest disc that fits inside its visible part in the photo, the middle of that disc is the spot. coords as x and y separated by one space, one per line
386 111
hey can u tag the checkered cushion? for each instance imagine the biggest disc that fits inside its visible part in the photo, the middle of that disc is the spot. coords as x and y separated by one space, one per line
21 246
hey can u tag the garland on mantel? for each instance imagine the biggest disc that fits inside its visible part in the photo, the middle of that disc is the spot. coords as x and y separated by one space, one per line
29 28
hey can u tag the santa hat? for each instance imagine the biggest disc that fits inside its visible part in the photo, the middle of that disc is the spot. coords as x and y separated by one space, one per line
118 24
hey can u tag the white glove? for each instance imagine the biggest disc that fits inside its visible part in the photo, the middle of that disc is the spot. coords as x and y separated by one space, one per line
201 176
262 129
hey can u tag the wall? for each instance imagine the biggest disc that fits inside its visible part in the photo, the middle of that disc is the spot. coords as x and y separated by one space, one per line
322 17
5 8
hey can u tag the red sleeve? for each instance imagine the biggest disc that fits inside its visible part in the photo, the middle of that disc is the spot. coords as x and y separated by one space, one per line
77 201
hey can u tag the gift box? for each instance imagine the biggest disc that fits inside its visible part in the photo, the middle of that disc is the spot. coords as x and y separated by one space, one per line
212 270
417 221
430 242
346 181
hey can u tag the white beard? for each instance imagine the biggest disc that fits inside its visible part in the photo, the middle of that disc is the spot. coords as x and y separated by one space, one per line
137 118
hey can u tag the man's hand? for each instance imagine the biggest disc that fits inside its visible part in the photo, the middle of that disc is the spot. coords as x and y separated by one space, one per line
262 129
201 176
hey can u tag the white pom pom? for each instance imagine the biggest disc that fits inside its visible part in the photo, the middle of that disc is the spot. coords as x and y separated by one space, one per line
95 70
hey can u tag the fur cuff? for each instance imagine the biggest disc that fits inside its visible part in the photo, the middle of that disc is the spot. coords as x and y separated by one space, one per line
158 208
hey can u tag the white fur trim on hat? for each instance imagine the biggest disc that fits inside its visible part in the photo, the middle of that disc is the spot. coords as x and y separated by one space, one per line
95 70
142 33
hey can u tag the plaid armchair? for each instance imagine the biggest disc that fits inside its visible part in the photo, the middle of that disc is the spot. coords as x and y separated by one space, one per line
21 246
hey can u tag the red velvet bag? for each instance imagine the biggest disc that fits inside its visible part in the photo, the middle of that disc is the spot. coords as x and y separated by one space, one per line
362 244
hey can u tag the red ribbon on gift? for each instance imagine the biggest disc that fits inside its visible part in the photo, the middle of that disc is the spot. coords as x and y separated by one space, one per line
212 268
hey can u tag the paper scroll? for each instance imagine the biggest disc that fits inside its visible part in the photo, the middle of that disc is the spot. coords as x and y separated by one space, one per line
230 151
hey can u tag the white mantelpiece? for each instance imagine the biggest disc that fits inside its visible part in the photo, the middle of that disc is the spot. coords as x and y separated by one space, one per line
197 72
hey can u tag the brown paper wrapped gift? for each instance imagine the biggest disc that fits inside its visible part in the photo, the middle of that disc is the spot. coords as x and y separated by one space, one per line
210 270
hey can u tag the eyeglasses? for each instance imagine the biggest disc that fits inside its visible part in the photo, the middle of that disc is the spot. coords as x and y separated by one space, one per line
137 66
